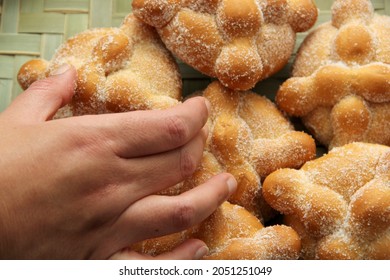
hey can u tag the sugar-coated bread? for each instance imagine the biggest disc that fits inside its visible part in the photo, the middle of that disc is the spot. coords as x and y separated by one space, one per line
251 138
341 77
339 204
232 233
119 69
240 42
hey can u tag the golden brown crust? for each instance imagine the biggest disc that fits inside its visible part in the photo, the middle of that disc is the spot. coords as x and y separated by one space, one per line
230 39
117 69
270 243
251 138
341 77
339 203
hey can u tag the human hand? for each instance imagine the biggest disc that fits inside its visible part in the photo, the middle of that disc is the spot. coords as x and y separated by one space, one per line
85 187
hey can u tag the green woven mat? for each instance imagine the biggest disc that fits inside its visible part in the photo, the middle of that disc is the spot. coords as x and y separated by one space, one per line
35 28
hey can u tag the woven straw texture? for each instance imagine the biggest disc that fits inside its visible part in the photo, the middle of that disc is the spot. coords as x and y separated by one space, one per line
35 28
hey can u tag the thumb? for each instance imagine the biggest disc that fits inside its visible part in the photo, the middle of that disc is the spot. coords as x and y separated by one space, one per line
44 97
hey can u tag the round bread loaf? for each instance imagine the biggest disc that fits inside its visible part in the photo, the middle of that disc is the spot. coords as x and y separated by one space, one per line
339 204
119 69
251 138
341 77
240 42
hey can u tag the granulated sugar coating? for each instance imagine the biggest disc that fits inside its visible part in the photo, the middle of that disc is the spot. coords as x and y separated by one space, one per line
250 139
229 39
339 204
119 69
341 77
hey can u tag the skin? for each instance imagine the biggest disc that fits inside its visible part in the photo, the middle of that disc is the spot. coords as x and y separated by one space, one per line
85 187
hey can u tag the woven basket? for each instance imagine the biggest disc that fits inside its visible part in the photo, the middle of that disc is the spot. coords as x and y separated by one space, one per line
35 28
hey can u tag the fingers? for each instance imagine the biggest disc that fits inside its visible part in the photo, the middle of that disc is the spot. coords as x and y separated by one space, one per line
155 216
162 215
165 169
191 249
136 178
143 133
44 97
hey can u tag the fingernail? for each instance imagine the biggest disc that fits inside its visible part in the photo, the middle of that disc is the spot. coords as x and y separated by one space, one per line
232 185
206 131
61 70
202 251
208 105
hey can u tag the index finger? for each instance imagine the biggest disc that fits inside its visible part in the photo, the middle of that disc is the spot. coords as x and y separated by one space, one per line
143 133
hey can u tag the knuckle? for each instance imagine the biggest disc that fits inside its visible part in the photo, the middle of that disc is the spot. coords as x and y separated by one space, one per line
188 164
177 129
183 216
